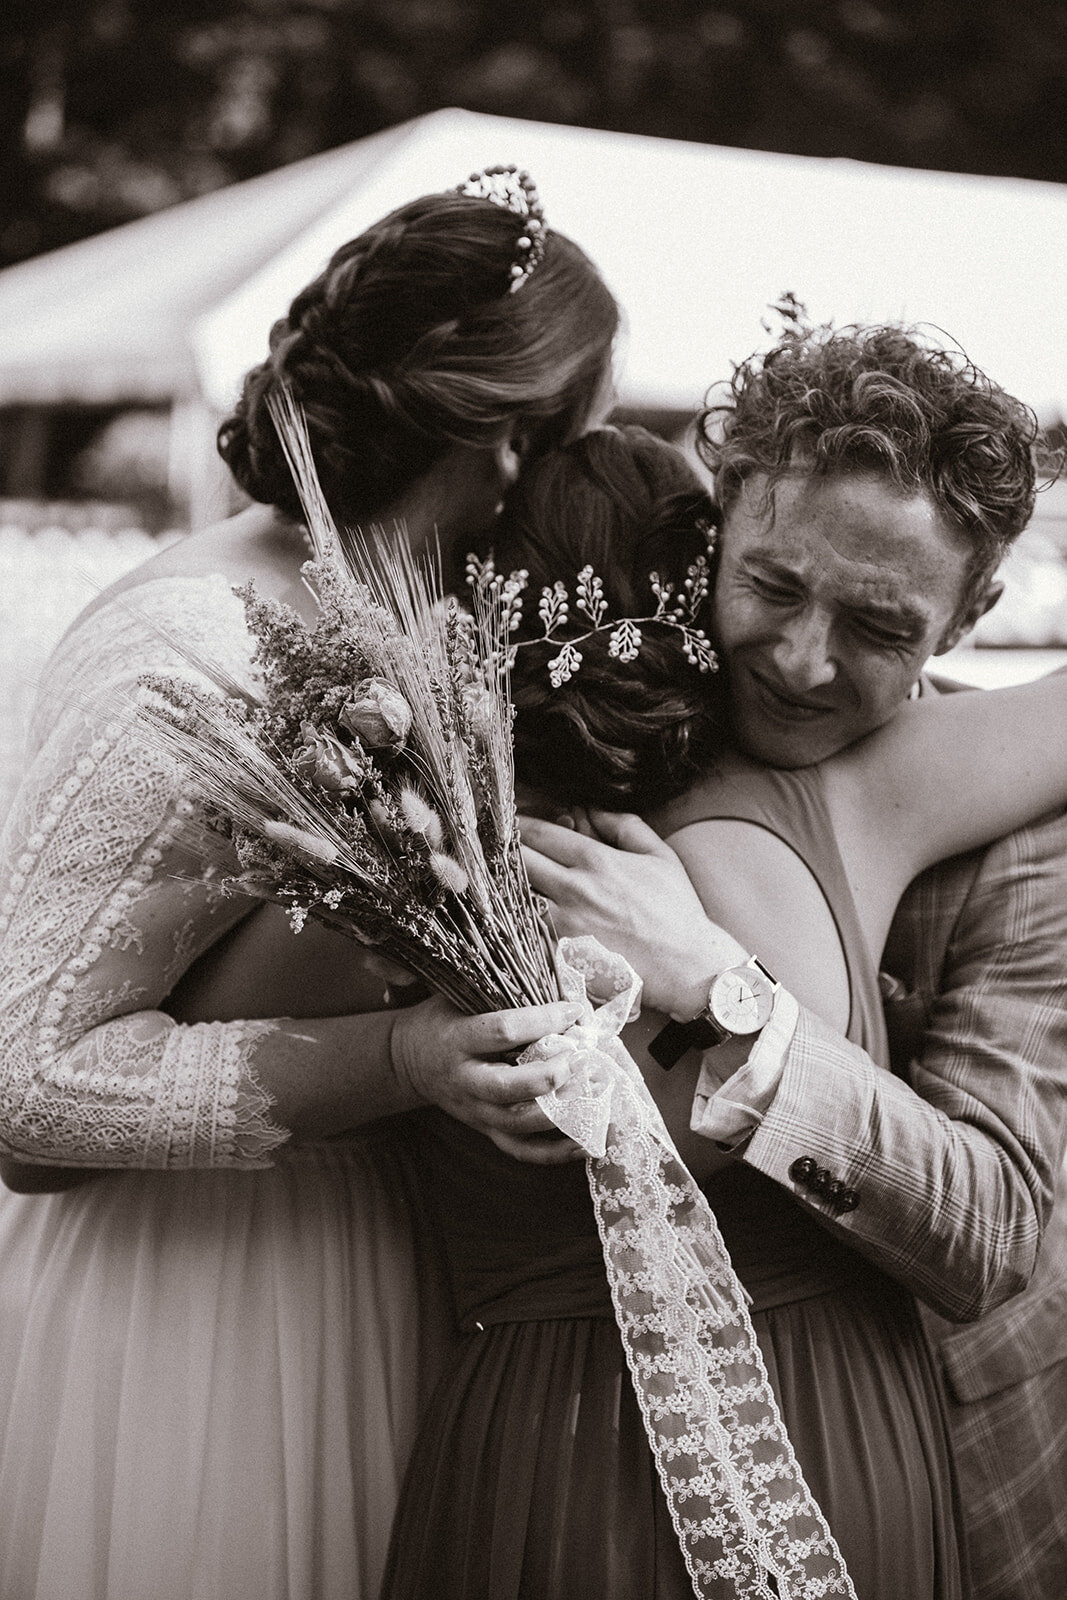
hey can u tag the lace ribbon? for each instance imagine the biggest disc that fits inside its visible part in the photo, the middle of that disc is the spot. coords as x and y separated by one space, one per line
745 1519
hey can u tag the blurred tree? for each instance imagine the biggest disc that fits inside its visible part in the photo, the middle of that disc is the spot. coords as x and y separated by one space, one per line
110 109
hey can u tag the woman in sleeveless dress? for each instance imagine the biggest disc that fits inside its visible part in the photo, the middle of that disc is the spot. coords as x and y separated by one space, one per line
210 1361
532 1475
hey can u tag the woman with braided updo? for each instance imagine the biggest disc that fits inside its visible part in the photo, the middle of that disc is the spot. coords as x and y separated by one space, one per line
419 378
208 1377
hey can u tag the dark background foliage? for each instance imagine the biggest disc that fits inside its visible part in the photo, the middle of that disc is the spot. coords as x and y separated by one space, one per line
114 108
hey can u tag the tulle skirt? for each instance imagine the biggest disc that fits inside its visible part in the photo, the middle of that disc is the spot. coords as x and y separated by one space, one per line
209 1381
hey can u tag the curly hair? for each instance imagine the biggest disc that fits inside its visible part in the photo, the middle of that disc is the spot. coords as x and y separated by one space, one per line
409 343
618 735
882 399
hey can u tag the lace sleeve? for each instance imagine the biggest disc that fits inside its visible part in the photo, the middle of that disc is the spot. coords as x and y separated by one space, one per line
103 907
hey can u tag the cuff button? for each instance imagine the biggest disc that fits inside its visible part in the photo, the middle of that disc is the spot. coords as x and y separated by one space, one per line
802 1169
848 1200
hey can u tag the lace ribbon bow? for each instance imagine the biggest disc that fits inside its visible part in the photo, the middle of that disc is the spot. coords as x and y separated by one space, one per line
746 1522
590 1047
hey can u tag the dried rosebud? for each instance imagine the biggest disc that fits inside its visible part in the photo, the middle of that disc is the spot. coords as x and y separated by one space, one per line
378 714
324 760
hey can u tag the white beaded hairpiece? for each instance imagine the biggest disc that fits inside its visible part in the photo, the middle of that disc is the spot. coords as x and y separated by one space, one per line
514 190
676 608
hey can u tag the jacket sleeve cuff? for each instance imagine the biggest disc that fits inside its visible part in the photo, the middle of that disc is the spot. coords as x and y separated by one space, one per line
730 1113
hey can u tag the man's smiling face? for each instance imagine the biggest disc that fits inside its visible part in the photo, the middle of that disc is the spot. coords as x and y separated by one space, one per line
831 593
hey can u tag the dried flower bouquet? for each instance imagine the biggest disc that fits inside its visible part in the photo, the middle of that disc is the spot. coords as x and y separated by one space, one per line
366 778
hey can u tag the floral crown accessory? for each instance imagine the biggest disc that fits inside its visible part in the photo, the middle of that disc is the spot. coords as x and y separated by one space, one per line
677 607
514 190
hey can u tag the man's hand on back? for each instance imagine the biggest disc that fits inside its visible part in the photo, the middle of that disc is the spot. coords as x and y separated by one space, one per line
613 877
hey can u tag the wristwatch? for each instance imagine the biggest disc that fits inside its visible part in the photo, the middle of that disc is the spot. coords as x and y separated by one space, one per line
739 1004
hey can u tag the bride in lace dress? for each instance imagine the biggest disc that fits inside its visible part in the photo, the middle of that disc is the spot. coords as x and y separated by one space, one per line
210 1360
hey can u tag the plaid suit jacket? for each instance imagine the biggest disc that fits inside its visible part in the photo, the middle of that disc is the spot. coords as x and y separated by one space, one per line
954 1162
956 1157
980 944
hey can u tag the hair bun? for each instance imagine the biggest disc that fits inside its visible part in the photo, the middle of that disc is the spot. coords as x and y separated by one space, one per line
619 737
618 733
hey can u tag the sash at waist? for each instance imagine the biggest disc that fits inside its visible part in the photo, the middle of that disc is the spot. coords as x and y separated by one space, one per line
569 1288
527 1250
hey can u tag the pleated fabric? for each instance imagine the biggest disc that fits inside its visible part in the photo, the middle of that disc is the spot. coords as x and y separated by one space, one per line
532 1478
209 1380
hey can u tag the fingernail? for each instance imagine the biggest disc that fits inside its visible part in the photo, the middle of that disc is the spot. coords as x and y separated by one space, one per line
565 820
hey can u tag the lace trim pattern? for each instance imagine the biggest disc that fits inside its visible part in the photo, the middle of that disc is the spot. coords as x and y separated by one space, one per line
747 1524
98 917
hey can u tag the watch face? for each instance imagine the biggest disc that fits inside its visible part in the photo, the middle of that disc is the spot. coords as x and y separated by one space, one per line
741 999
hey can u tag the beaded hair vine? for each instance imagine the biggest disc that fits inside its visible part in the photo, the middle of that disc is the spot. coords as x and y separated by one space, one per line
514 190
676 608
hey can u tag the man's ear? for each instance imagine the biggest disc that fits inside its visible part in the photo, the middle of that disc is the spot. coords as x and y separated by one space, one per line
978 608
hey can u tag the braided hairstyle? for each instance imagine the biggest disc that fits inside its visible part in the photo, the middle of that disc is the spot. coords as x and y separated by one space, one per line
409 343
620 736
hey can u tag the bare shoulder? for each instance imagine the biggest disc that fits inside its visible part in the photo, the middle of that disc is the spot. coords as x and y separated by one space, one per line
256 544
754 884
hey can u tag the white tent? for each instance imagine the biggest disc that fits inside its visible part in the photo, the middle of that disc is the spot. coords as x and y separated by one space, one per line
697 241
109 320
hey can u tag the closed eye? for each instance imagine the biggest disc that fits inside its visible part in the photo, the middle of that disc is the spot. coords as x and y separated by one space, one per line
776 593
890 638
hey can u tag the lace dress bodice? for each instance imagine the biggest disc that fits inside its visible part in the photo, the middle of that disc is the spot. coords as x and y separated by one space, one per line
103 905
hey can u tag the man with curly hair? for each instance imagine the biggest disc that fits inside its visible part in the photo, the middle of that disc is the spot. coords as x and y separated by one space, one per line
848 466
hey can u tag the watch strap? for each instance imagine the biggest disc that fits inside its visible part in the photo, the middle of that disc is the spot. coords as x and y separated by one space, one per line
677 1038
703 1032
754 961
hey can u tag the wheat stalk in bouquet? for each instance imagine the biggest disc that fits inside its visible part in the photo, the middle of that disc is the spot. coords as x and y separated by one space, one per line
367 778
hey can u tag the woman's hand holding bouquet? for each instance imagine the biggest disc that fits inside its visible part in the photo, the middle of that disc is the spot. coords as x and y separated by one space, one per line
462 1065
